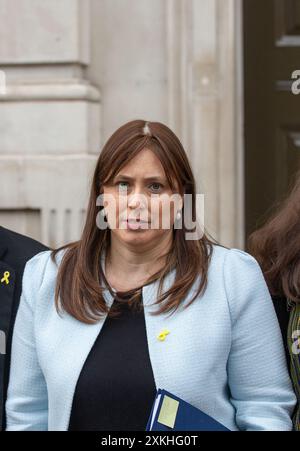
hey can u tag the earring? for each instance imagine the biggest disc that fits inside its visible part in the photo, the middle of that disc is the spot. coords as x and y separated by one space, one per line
178 216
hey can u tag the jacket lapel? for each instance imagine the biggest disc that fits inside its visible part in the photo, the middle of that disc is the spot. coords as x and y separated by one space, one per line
72 345
160 346
7 287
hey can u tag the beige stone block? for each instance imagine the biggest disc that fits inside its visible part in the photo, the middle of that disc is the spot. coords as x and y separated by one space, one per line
50 119
44 31
58 187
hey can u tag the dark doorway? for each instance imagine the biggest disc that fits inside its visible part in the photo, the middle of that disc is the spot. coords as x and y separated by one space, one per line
272 111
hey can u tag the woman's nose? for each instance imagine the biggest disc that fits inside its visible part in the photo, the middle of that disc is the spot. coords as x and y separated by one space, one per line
136 199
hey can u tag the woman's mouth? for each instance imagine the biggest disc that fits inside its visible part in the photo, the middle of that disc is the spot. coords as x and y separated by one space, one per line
135 224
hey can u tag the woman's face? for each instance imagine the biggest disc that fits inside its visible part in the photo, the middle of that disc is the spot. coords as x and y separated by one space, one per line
139 206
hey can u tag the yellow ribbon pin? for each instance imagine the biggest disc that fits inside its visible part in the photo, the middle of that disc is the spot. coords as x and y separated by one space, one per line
163 334
6 277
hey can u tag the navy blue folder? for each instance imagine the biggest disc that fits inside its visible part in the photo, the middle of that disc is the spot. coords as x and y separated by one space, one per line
187 417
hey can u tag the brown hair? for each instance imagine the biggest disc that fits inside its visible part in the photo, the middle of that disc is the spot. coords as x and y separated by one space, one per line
276 246
81 280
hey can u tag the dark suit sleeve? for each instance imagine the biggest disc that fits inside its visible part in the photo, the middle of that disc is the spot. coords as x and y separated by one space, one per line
18 250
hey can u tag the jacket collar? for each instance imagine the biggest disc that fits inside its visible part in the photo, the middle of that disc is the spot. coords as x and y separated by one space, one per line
3 242
150 291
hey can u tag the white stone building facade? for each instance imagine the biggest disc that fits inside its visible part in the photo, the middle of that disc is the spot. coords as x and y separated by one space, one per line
72 71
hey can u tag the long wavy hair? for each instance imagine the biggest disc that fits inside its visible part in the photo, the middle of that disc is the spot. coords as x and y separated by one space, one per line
276 246
81 279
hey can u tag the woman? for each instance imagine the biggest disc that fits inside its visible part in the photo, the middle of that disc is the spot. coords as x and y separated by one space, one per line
141 303
276 246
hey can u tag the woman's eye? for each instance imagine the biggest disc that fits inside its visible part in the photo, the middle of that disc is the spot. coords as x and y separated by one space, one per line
122 185
156 186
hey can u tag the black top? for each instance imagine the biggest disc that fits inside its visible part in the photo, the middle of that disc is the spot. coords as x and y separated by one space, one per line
281 307
15 251
116 388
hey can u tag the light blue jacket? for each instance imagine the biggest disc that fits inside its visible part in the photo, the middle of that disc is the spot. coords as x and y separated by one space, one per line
224 353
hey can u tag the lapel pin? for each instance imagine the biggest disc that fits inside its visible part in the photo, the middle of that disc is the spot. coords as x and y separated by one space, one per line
5 277
162 335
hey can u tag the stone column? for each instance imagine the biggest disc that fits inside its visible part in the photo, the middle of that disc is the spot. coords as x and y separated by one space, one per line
205 105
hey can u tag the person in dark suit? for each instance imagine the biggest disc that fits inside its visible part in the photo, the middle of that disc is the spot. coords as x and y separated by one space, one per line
15 251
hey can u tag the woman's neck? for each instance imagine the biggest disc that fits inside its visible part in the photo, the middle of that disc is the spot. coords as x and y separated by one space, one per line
127 267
